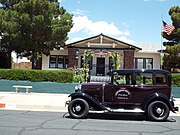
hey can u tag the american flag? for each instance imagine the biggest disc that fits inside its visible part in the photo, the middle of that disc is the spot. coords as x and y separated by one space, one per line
167 28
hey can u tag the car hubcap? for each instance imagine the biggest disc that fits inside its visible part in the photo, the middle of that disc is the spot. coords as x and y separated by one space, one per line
78 108
158 110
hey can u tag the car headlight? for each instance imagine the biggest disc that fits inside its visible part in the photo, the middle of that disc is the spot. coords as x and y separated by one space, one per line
77 88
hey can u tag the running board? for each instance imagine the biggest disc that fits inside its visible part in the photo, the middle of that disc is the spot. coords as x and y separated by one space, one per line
136 110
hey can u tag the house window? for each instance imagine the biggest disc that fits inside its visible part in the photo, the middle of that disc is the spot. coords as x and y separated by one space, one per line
82 61
144 63
110 63
90 61
58 61
149 63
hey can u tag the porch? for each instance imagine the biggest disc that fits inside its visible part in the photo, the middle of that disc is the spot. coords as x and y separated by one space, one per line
102 48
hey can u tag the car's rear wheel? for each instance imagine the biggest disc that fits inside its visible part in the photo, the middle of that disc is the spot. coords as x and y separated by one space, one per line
78 108
158 111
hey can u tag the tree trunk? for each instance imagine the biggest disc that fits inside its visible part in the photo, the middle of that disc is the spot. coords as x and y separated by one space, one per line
3 60
34 60
9 59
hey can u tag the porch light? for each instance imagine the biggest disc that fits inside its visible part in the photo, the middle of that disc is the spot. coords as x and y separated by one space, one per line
77 54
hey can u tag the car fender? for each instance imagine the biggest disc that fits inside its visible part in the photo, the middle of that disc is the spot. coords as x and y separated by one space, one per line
90 100
158 96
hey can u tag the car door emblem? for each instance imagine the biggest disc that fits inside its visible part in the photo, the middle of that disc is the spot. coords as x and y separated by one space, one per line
123 94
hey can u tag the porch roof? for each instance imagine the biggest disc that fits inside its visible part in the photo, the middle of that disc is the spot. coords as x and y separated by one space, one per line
126 46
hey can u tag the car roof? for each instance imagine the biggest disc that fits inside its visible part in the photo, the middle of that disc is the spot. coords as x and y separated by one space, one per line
139 70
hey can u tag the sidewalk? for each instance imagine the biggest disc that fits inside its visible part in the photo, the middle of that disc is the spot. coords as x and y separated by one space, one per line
41 102
33 101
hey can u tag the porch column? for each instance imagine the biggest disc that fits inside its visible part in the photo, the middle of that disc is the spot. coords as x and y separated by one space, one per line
128 59
71 57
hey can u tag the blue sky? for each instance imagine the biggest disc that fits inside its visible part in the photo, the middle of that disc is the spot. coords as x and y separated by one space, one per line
132 21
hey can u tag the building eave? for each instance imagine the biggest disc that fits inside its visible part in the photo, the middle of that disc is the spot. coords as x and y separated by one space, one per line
129 46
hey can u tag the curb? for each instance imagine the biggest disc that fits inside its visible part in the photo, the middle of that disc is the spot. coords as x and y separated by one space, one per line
33 107
33 101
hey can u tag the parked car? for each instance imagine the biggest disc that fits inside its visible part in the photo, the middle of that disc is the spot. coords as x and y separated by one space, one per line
144 91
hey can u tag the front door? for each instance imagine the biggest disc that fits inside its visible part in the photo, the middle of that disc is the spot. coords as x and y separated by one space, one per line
100 68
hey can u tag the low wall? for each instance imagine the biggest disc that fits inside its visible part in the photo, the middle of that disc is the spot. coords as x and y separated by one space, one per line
39 87
51 87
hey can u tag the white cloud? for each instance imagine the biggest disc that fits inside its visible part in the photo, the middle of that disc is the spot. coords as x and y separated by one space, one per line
126 40
80 12
124 24
127 33
73 40
84 24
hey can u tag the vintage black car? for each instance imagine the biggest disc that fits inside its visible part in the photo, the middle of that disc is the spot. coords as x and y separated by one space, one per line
144 91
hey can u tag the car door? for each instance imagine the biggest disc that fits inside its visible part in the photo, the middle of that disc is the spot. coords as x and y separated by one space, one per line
143 87
122 92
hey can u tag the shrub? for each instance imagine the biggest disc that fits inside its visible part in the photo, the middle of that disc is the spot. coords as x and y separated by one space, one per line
176 79
78 78
37 75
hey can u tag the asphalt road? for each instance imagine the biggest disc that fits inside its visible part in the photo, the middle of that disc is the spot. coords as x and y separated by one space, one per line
51 123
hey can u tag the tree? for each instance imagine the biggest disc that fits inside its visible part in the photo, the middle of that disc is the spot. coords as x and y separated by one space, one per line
44 26
8 4
86 57
116 60
8 30
41 26
172 57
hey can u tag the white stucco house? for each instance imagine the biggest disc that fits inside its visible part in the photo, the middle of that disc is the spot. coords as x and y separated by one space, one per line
140 57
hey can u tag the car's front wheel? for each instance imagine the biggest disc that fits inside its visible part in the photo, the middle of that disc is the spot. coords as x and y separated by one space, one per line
158 111
78 108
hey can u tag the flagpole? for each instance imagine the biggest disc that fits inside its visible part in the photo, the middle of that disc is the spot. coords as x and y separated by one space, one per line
161 58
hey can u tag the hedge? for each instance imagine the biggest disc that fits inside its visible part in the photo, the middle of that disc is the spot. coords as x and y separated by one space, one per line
176 79
52 75
37 75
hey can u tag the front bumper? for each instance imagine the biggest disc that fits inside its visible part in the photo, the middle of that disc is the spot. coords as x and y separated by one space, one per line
67 103
176 109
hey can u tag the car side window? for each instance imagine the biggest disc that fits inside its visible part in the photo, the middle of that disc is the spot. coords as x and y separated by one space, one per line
161 79
144 78
122 79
